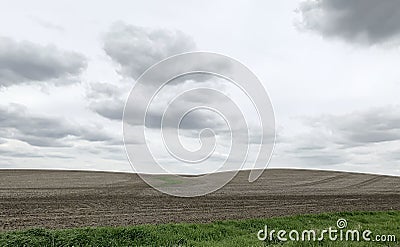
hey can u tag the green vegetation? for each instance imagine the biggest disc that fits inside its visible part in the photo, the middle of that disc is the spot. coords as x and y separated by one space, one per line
222 233
169 180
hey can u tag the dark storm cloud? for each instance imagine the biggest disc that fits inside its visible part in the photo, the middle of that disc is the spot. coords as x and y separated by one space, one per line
136 48
360 128
17 123
24 62
360 21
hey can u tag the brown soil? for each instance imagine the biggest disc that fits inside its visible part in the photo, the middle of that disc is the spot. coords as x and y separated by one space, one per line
62 199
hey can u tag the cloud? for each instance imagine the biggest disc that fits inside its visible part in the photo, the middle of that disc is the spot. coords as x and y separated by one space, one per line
312 148
360 139
26 62
17 123
395 155
103 90
136 48
175 99
107 99
109 108
112 108
366 141
363 127
356 21
18 154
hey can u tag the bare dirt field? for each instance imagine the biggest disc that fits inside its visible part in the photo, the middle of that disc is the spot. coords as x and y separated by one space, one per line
63 199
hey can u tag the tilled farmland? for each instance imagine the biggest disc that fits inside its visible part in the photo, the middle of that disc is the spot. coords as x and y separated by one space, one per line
65 199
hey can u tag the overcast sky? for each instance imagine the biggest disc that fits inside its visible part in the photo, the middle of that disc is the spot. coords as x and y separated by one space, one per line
329 66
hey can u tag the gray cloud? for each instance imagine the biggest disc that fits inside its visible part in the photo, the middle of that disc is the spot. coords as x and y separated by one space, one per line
113 109
355 138
107 100
17 123
195 120
110 108
26 62
358 128
136 48
314 148
173 99
360 21
103 90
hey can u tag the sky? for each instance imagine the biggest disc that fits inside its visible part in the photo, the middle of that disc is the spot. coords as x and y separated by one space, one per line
330 68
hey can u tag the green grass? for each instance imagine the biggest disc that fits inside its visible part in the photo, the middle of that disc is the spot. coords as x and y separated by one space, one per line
168 180
222 233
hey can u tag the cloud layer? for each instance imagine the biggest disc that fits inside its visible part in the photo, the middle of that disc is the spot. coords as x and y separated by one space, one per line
357 21
136 48
16 122
375 125
27 62
361 139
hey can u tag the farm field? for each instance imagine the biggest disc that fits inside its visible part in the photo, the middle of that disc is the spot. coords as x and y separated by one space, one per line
70 199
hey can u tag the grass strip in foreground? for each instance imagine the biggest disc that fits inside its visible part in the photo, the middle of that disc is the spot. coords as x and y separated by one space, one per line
221 233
